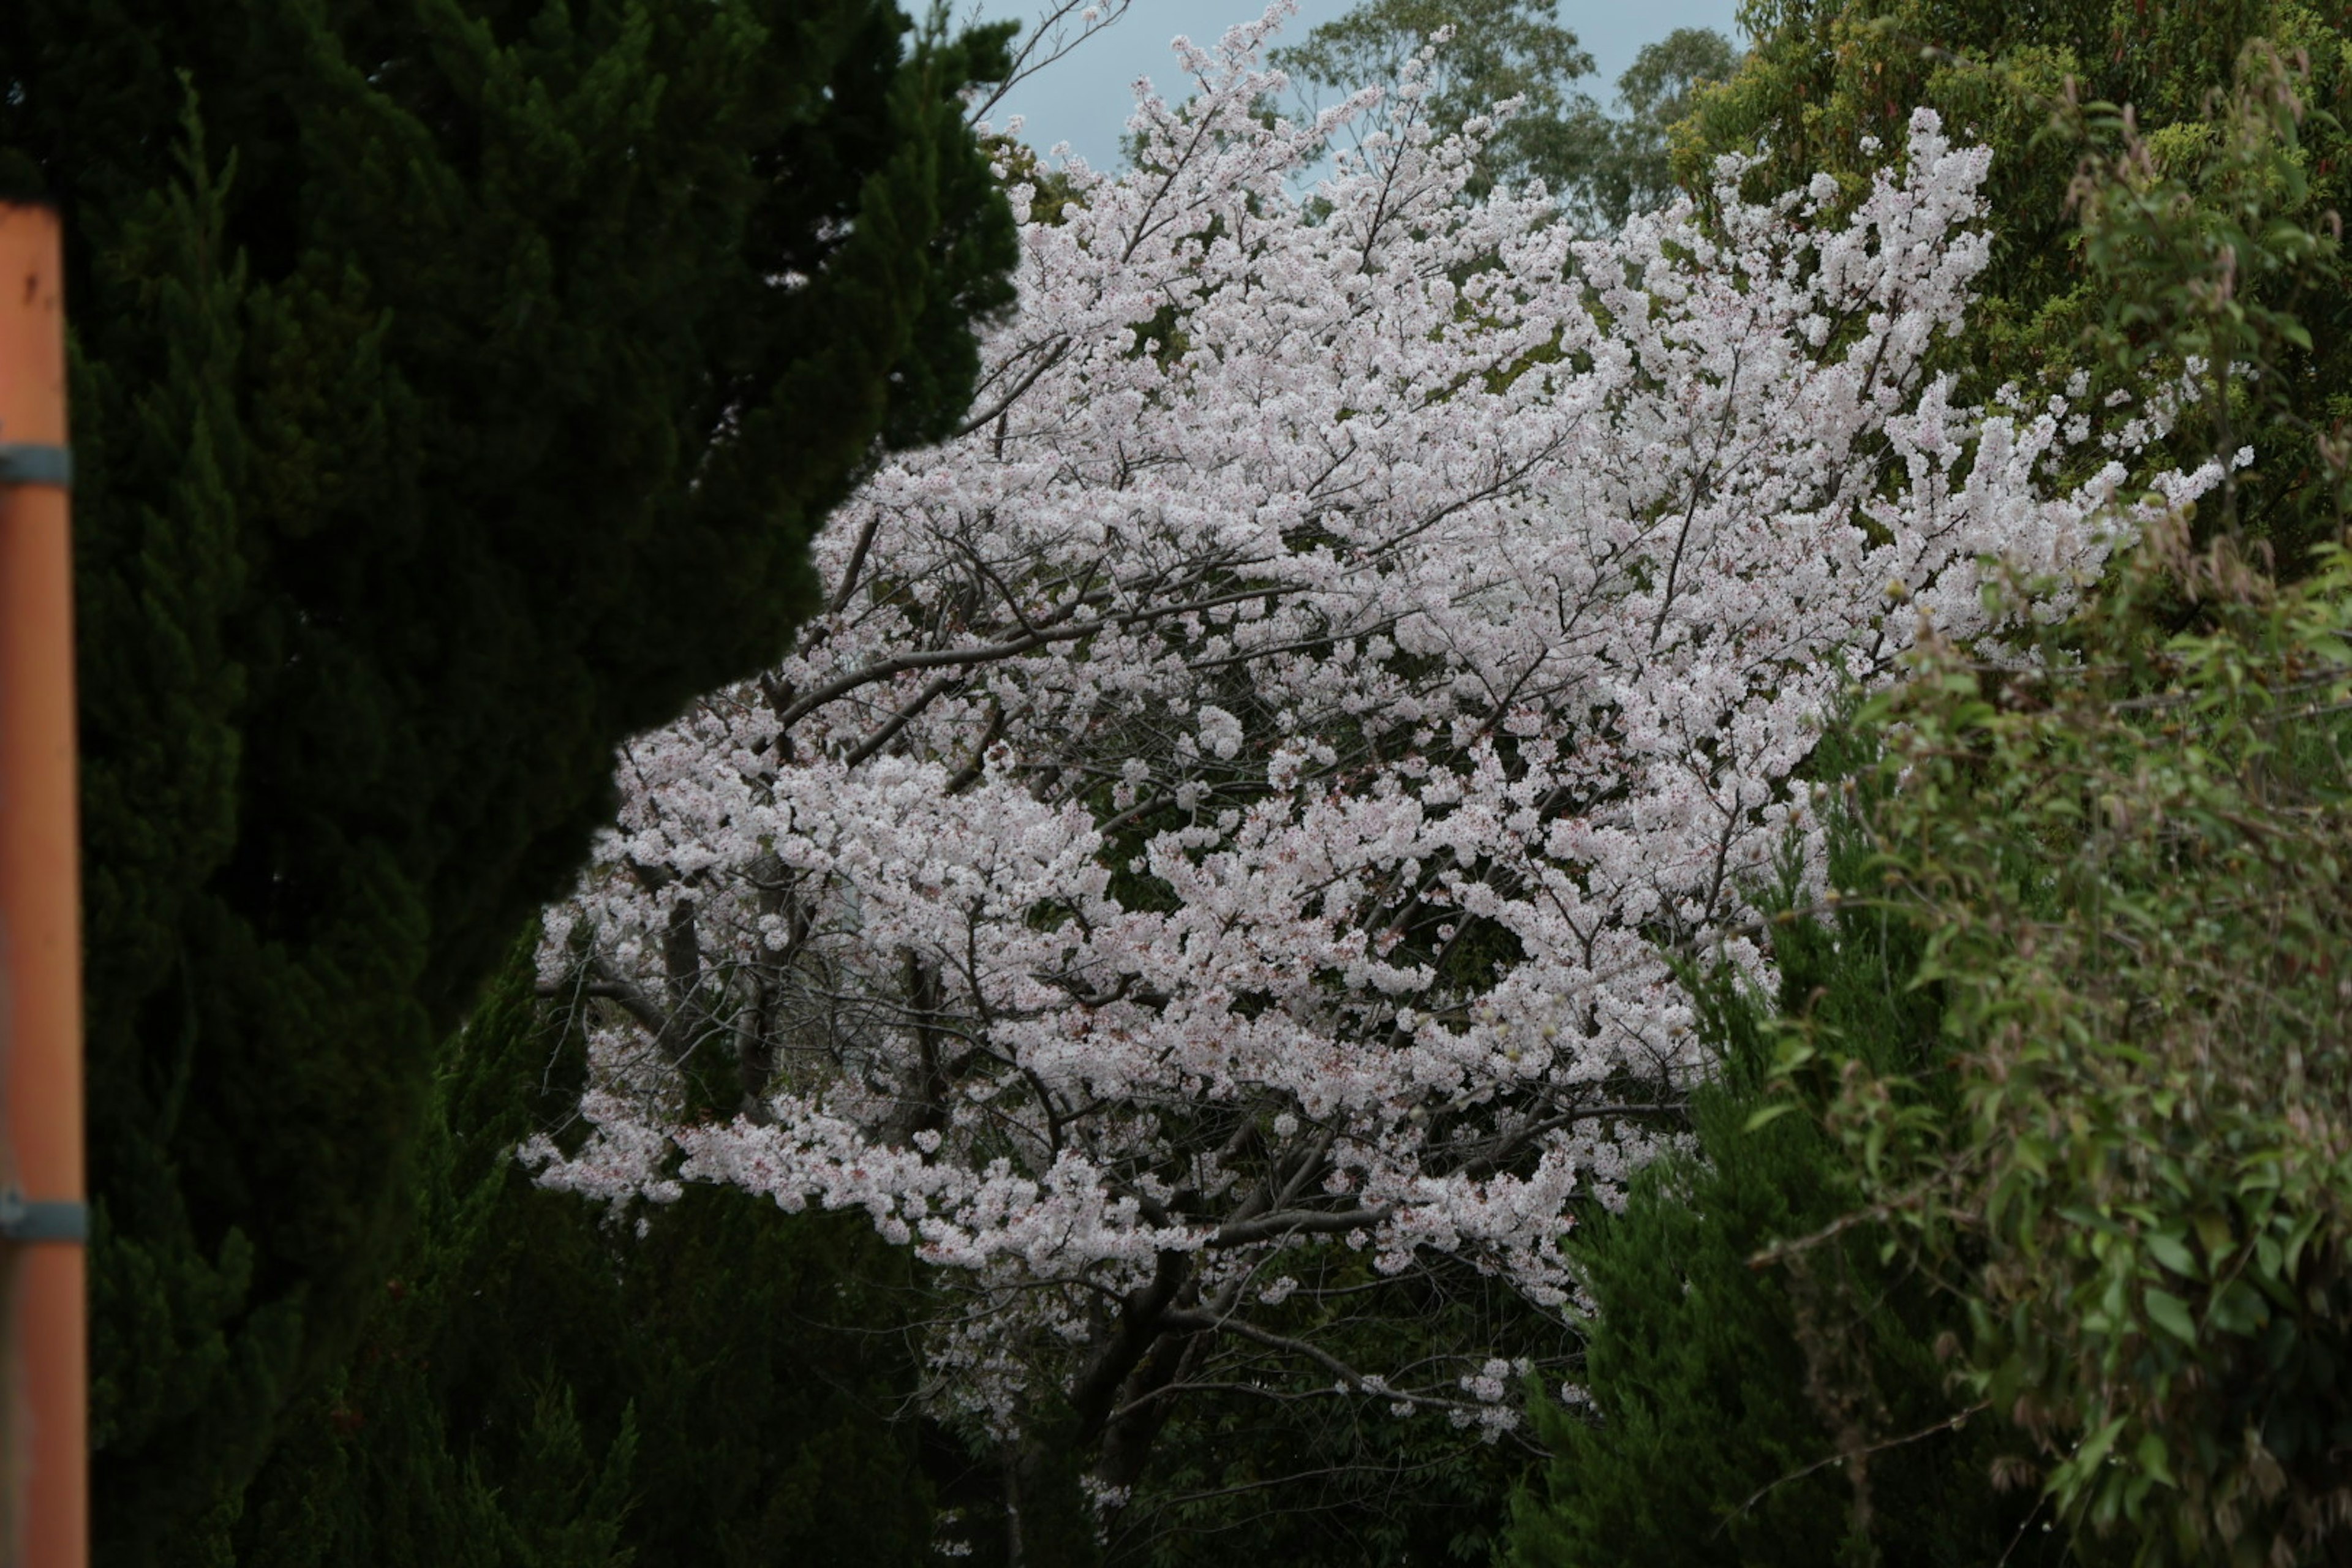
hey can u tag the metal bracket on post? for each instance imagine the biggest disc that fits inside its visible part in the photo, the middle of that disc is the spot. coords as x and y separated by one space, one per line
32 463
29 1220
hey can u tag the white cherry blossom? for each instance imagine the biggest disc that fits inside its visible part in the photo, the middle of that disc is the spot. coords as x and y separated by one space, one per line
1224 837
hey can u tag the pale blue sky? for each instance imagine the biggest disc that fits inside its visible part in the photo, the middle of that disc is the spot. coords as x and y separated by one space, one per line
1085 98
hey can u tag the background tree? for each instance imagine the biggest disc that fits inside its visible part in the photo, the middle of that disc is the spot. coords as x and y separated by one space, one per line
1496 49
1830 81
1605 166
1609 167
456 387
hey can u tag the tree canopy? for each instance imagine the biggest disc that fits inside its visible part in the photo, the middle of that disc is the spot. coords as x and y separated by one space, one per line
1604 167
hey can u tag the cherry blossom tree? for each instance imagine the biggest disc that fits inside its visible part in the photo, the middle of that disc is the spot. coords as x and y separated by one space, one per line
1223 852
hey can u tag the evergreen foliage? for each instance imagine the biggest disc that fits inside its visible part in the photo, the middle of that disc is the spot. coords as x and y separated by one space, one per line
537 1388
456 383
1746 1406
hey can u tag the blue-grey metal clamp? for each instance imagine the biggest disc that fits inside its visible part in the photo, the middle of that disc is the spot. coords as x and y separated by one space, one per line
36 463
24 1220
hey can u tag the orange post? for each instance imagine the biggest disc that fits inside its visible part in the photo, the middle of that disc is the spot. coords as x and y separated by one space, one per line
40 916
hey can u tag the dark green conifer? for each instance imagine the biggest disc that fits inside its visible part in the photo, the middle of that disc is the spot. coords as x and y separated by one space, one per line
1791 1412
456 384
538 1387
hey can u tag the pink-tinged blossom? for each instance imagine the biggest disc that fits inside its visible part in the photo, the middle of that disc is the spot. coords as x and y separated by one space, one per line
1236 809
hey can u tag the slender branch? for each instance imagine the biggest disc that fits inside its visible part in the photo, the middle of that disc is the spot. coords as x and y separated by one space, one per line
1183 1322
939 687
1003 404
1047 40
1951 1423
857 567
1298 1222
613 988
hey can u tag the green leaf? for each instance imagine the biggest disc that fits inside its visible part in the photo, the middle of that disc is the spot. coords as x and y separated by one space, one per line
2094 1449
2172 1252
2153 1460
2171 1313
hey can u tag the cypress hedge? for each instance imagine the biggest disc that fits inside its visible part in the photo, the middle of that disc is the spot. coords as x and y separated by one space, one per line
456 386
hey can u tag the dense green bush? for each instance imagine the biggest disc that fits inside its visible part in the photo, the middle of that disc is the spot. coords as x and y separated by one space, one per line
2126 837
2133 855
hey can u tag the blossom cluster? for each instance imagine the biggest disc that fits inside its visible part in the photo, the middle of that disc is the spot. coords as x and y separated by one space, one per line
1227 835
